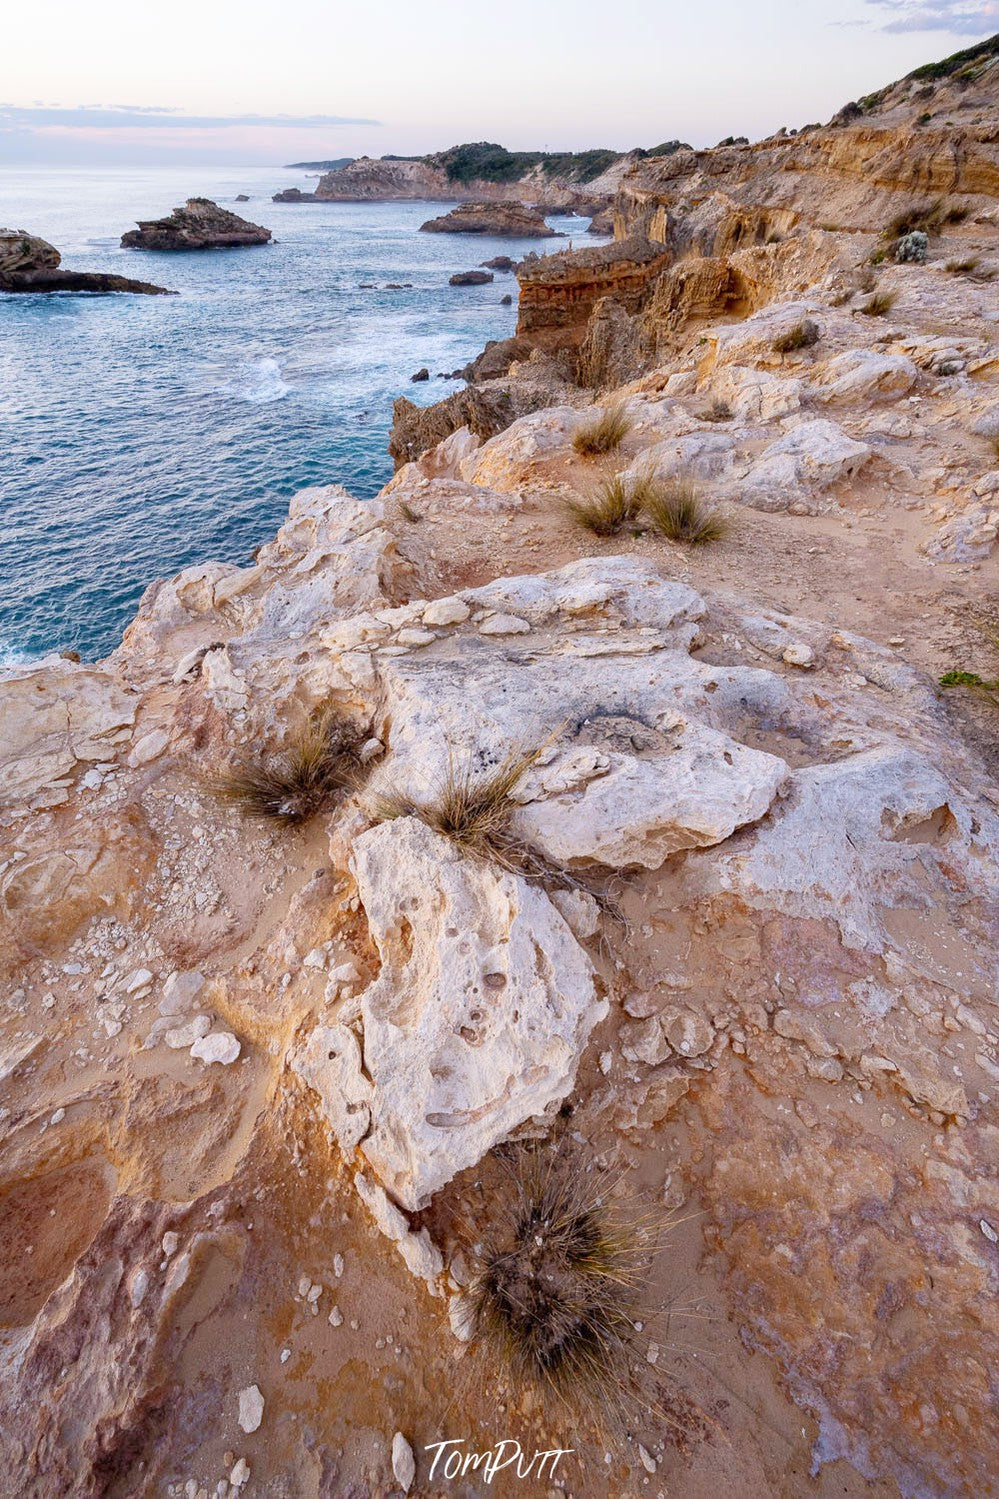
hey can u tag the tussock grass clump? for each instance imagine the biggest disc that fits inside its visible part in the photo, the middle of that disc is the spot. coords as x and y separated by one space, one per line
963 267
557 1282
675 510
472 807
928 218
880 304
610 508
718 411
604 433
318 765
802 336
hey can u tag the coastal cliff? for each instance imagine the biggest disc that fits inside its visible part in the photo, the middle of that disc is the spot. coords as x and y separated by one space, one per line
675 579
479 173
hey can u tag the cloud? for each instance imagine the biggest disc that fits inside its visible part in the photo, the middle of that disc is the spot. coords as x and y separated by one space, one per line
959 17
144 117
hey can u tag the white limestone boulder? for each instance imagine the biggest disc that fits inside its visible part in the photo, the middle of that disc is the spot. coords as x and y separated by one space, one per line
501 462
755 395
476 1021
810 458
865 375
639 811
856 841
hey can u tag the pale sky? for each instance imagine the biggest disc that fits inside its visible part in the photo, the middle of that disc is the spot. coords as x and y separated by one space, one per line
250 82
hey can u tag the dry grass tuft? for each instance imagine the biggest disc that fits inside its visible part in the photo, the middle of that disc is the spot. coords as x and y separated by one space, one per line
611 508
604 433
802 336
558 1275
963 267
318 765
675 510
928 217
718 411
880 304
473 807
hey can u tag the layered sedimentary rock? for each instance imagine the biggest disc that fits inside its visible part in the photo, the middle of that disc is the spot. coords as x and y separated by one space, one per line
30 264
199 225
501 220
558 292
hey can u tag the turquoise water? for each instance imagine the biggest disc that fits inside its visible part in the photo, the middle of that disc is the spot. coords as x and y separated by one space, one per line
141 434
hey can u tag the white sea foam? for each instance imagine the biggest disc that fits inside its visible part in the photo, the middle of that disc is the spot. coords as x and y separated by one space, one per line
258 381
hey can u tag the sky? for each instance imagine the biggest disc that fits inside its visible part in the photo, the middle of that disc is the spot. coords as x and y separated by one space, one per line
245 82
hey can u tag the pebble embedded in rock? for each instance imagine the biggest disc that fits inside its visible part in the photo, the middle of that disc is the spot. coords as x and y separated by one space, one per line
217 1046
504 624
799 654
251 1408
184 1036
403 1462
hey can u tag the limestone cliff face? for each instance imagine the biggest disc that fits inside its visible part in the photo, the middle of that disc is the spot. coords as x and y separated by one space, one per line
385 179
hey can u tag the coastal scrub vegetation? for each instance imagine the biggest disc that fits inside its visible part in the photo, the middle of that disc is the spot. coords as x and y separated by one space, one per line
987 688
487 161
879 304
803 335
472 806
958 62
672 507
557 1280
318 765
718 411
610 508
603 433
675 510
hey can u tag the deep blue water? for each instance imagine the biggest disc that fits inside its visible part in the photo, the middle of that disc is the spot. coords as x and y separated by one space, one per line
141 434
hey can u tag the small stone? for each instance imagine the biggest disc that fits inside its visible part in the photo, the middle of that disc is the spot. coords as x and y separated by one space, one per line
647 1460
240 1473
140 979
285 1355
370 750
313 1293
169 1244
218 1046
452 611
504 624
338 1265
58 1116
316 958
988 1231
180 991
415 637
403 1462
182 1037
799 654
335 1318
148 747
251 1408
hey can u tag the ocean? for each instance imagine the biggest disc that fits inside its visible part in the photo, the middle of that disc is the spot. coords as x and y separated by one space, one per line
141 434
